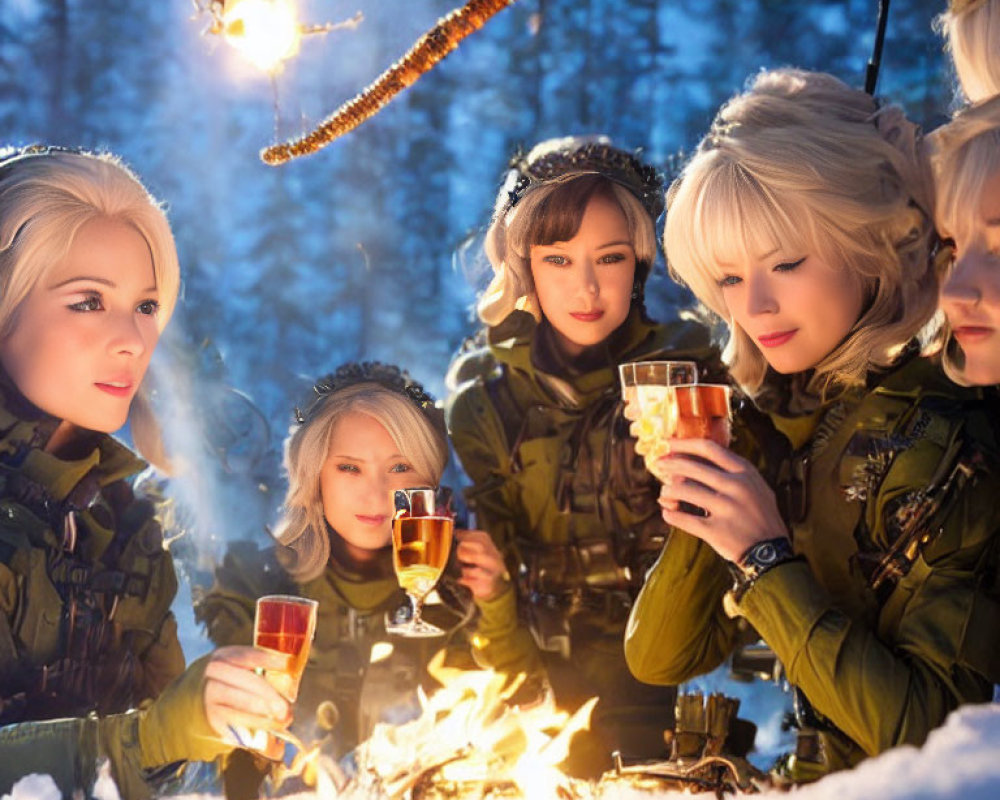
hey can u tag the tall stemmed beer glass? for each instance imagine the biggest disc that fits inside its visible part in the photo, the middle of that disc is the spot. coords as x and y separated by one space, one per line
422 528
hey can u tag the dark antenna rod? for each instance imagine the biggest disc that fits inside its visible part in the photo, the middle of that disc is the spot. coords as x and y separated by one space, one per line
871 73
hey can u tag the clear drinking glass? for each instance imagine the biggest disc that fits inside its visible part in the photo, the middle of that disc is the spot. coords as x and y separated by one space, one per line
644 390
286 624
422 528
697 411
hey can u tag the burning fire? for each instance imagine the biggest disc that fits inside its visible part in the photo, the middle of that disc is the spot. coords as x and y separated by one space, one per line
467 733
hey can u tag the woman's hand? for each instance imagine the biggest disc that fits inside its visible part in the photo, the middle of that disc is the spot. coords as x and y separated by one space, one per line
237 695
483 569
741 508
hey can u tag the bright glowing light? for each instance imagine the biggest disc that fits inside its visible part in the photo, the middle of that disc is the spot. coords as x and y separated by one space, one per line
266 32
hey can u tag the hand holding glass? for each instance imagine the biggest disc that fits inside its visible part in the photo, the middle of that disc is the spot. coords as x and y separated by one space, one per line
644 390
283 624
422 530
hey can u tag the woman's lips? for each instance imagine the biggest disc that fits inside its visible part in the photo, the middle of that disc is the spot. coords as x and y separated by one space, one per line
376 519
116 388
587 316
776 339
970 334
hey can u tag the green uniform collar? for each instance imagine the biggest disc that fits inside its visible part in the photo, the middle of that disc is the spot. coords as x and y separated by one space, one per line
528 346
24 432
357 590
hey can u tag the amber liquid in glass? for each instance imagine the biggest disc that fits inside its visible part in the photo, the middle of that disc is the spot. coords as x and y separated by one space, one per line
420 551
287 627
698 412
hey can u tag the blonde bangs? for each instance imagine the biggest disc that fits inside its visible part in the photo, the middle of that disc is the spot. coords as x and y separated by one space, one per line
969 169
716 220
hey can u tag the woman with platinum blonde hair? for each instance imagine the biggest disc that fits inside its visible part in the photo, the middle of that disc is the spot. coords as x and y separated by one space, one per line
972 36
535 419
861 545
967 176
90 663
366 430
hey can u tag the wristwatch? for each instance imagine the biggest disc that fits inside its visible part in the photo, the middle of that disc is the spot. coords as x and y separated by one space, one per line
758 559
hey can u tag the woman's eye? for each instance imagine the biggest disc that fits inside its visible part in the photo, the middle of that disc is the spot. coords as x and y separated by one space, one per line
788 266
559 261
611 258
730 280
402 466
91 302
348 468
149 307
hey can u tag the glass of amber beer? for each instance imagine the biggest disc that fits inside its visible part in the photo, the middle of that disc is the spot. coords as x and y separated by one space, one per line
422 528
644 390
286 624
698 411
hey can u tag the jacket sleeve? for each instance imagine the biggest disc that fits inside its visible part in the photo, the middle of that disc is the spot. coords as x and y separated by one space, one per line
936 643
678 628
502 640
138 745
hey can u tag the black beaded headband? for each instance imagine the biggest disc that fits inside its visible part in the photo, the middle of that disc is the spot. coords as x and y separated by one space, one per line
597 157
386 375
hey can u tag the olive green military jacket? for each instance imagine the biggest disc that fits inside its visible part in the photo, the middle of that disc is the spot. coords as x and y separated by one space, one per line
350 626
881 667
85 593
549 456
556 482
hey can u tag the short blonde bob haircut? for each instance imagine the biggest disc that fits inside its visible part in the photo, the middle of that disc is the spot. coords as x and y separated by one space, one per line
965 157
802 162
46 197
972 35
550 212
303 528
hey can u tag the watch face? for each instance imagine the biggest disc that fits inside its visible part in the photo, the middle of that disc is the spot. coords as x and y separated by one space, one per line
766 554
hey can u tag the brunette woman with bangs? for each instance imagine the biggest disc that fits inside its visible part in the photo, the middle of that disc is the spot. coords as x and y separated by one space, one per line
535 417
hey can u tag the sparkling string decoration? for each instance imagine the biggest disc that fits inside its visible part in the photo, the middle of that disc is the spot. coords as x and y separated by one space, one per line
431 48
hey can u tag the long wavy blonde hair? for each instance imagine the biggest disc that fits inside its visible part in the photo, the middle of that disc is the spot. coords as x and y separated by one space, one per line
46 197
804 161
972 37
303 529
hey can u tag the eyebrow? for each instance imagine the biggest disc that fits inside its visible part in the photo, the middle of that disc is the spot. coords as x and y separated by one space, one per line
625 242
93 279
346 457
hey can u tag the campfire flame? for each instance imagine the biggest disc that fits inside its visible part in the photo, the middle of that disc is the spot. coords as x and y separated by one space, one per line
468 733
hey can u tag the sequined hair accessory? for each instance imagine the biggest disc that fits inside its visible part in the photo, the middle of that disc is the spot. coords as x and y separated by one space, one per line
388 376
12 155
596 156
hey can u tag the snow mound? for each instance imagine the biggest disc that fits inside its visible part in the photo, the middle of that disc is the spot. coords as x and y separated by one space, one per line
961 759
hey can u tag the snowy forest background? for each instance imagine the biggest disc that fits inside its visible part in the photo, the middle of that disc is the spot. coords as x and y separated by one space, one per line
367 249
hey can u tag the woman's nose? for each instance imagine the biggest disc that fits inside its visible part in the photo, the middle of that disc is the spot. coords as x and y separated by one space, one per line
760 298
126 336
961 284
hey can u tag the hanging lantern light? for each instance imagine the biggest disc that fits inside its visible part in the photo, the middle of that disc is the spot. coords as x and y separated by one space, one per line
265 32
